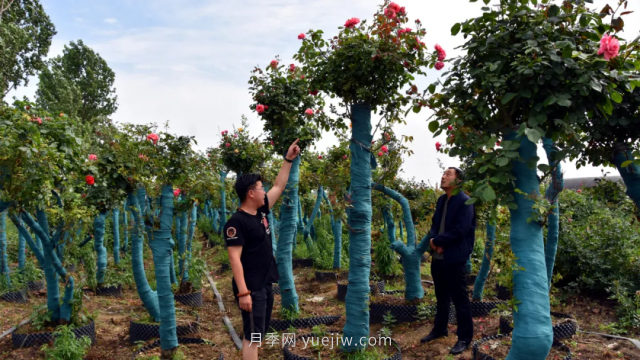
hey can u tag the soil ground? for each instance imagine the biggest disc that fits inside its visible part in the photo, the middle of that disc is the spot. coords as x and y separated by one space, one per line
316 299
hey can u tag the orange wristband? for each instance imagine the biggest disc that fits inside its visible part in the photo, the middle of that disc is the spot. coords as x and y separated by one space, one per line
244 294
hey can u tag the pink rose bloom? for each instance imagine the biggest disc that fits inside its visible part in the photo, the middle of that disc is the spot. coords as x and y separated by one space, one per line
498 143
441 53
38 120
579 191
344 157
380 153
439 65
93 157
301 36
227 144
309 112
570 220
609 46
235 135
313 92
384 149
302 77
389 13
438 145
154 138
176 192
292 68
274 63
402 11
351 23
394 6
260 108
271 142
225 132
320 157
266 107
449 127
405 30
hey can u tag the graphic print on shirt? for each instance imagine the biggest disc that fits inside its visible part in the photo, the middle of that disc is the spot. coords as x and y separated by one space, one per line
265 222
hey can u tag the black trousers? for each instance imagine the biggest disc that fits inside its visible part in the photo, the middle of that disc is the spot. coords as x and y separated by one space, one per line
257 321
450 282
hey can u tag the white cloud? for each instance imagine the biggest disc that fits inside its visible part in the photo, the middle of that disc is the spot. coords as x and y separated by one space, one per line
110 20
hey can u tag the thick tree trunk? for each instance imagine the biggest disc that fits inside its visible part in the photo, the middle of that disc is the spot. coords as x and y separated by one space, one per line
481 279
98 245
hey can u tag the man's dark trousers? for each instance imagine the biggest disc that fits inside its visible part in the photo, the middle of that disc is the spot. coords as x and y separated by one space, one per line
450 282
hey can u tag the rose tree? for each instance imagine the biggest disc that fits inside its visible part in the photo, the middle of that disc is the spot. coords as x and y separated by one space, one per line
366 66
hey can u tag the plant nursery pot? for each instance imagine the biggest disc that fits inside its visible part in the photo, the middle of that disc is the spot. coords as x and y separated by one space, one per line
282 325
565 326
481 352
115 291
15 296
36 285
299 353
192 299
38 339
298 263
143 332
374 287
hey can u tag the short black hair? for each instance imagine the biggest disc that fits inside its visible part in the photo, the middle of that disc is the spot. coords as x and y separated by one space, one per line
459 173
244 183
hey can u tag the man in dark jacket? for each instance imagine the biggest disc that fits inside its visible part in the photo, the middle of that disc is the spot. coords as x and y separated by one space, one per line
452 236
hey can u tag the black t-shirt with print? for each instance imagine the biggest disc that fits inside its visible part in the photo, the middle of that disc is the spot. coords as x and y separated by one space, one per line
253 234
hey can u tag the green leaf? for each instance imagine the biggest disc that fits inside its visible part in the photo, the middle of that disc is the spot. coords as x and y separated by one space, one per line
455 29
482 169
495 179
502 161
626 163
488 194
533 135
554 10
486 2
432 88
471 201
616 96
433 126
595 85
564 102
525 93
508 97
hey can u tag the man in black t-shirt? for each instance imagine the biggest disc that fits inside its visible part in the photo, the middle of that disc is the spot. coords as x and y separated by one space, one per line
248 239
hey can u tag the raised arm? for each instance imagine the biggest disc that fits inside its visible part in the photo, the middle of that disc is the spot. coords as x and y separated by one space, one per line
281 180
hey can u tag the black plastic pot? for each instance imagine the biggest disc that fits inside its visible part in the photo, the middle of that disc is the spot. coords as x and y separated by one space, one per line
298 263
281 325
144 332
224 267
561 331
479 355
36 285
181 340
193 299
483 308
342 289
15 296
276 289
109 291
37 339
288 355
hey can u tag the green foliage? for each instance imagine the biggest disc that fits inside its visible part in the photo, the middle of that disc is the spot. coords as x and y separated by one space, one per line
383 255
425 311
197 270
367 63
628 310
122 274
285 94
388 319
322 252
78 83
26 31
240 152
66 346
534 70
20 278
286 314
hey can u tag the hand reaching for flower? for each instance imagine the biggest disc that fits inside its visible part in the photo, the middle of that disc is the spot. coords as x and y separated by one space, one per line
294 150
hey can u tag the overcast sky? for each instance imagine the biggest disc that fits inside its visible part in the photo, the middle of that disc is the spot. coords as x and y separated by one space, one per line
189 61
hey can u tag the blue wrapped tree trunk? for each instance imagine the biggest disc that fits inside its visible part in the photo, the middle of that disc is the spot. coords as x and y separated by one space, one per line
553 220
115 217
98 245
272 225
411 253
481 279
287 239
149 297
357 299
21 248
181 230
162 248
532 335
125 230
4 263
